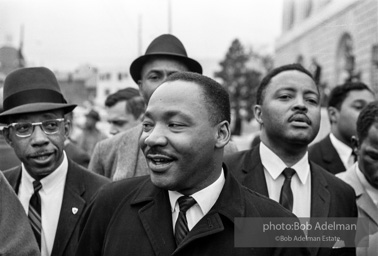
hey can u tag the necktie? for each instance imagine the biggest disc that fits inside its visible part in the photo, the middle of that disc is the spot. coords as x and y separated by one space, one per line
35 212
181 228
286 198
351 160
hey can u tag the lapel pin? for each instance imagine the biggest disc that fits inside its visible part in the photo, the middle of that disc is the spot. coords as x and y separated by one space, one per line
74 210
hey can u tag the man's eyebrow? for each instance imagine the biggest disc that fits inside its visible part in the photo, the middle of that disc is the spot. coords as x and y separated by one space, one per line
169 114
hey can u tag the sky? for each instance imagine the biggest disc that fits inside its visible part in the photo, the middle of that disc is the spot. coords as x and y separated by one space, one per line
64 34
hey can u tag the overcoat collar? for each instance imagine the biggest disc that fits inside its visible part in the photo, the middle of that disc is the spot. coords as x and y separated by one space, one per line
154 206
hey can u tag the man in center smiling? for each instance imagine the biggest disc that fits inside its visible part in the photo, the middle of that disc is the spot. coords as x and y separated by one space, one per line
188 203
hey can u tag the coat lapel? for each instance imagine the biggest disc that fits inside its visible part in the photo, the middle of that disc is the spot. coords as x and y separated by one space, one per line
156 217
14 177
130 159
72 208
230 204
331 157
364 201
253 171
320 199
320 196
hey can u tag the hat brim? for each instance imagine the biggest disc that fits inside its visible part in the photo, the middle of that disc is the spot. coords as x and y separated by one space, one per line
137 65
36 107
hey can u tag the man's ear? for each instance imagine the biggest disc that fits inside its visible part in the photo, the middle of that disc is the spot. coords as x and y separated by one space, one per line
67 128
258 114
333 114
6 134
223 134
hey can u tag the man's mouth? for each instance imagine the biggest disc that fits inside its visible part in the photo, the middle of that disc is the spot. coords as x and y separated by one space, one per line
300 118
41 155
159 159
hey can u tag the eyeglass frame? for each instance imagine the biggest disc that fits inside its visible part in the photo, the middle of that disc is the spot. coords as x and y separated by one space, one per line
60 120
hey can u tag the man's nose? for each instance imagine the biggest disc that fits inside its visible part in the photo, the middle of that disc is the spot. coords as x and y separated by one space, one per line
156 137
39 136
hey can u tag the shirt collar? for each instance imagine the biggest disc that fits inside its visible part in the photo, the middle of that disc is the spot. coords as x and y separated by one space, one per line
205 198
342 149
49 182
274 165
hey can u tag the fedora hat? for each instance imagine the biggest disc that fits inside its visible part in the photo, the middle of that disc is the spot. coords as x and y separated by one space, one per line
165 45
30 90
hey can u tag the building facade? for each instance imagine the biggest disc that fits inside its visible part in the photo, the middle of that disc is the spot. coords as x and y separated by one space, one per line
339 37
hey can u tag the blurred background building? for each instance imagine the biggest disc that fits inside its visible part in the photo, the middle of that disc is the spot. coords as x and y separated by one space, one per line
339 38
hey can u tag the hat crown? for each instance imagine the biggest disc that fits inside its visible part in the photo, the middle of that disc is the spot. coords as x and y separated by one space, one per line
29 79
28 90
166 44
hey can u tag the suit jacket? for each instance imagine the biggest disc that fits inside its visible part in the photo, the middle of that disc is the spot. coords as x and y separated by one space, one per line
366 207
133 217
323 153
120 156
8 157
81 185
76 154
16 235
330 197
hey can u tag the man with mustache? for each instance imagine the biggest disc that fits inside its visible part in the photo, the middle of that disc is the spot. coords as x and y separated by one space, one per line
188 203
120 157
53 190
288 110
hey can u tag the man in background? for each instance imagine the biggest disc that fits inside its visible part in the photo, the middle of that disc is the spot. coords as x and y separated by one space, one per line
90 135
124 110
120 157
363 175
334 153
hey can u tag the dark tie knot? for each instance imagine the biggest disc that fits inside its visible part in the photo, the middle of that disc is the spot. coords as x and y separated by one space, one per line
288 173
185 202
37 185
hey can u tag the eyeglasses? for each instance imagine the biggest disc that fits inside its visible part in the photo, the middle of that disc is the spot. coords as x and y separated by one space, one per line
24 130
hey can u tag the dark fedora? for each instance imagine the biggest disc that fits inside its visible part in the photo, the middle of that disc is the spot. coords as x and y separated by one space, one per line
165 45
30 90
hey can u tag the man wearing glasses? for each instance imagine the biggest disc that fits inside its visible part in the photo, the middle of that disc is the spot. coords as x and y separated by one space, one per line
53 190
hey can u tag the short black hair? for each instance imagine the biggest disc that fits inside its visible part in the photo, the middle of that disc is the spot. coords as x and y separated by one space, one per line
266 80
340 93
135 104
121 95
215 96
368 116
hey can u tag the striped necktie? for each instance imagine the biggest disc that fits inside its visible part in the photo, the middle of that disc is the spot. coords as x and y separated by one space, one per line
181 228
35 212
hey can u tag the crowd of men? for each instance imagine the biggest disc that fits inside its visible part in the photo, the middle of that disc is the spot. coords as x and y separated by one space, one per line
169 181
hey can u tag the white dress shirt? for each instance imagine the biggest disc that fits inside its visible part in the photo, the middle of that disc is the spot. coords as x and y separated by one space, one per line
300 183
344 151
205 199
370 190
51 195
